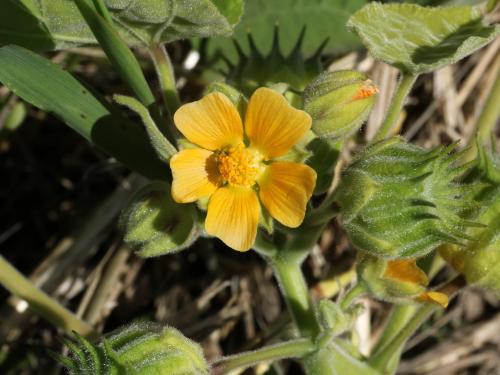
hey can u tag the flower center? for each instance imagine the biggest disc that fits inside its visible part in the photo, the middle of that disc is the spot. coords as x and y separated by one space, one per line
239 166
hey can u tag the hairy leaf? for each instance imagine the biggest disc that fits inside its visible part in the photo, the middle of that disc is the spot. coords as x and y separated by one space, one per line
57 24
322 18
421 39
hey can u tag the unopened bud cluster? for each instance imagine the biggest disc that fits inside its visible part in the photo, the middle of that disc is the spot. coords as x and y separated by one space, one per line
400 200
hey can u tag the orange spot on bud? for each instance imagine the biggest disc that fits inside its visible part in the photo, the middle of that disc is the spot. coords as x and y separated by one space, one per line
365 91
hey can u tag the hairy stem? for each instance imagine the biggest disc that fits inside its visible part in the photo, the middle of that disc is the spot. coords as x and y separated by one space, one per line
405 84
385 355
488 118
296 294
166 76
356 291
40 302
291 349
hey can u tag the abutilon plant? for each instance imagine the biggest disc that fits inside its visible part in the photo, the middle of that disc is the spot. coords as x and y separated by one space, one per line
252 161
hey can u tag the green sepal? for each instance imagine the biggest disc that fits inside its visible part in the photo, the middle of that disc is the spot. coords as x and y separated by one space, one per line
142 347
155 225
422 39
371 271
266 220
236 97
479 261
253 69
335 320
163 148
339 102
324 158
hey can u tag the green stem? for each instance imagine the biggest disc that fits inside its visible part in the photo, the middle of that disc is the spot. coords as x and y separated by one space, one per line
291 349
487 119
296 294
405 84
39 301
356 291
387 355
301 307
165 72
399 317
381 359
102 10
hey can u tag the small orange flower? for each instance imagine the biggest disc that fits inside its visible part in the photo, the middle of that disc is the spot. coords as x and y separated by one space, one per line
407 271
236 166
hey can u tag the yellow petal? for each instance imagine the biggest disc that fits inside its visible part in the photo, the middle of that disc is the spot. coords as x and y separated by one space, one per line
272 124
194 175
405 270
233 216
285 188
212 122
434 297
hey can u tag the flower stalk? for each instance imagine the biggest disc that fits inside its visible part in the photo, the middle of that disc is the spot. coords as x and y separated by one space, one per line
166 76
405 84
40 302
291 349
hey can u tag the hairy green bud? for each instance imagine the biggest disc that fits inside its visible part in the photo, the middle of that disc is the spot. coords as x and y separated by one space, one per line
155 225
479 261
339 102
140 348
400 200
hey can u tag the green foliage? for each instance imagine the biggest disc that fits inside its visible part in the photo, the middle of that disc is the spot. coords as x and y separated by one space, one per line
46 86
155 225
479 262
399 200
421 39
322 18
333 319
339 102
254 69
140 348
57 24
118 53
325 153
164 149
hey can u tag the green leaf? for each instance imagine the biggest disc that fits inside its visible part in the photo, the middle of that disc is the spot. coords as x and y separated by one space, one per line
155 225
322 19
419 39
162 146
117 52
57 24
48 87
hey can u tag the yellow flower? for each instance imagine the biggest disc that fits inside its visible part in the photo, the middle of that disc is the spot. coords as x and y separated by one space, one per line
407 271
236 166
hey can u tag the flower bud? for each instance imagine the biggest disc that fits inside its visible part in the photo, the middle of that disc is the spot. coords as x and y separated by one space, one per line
142 348
339 102
155 225
479 261
397 281
399 200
